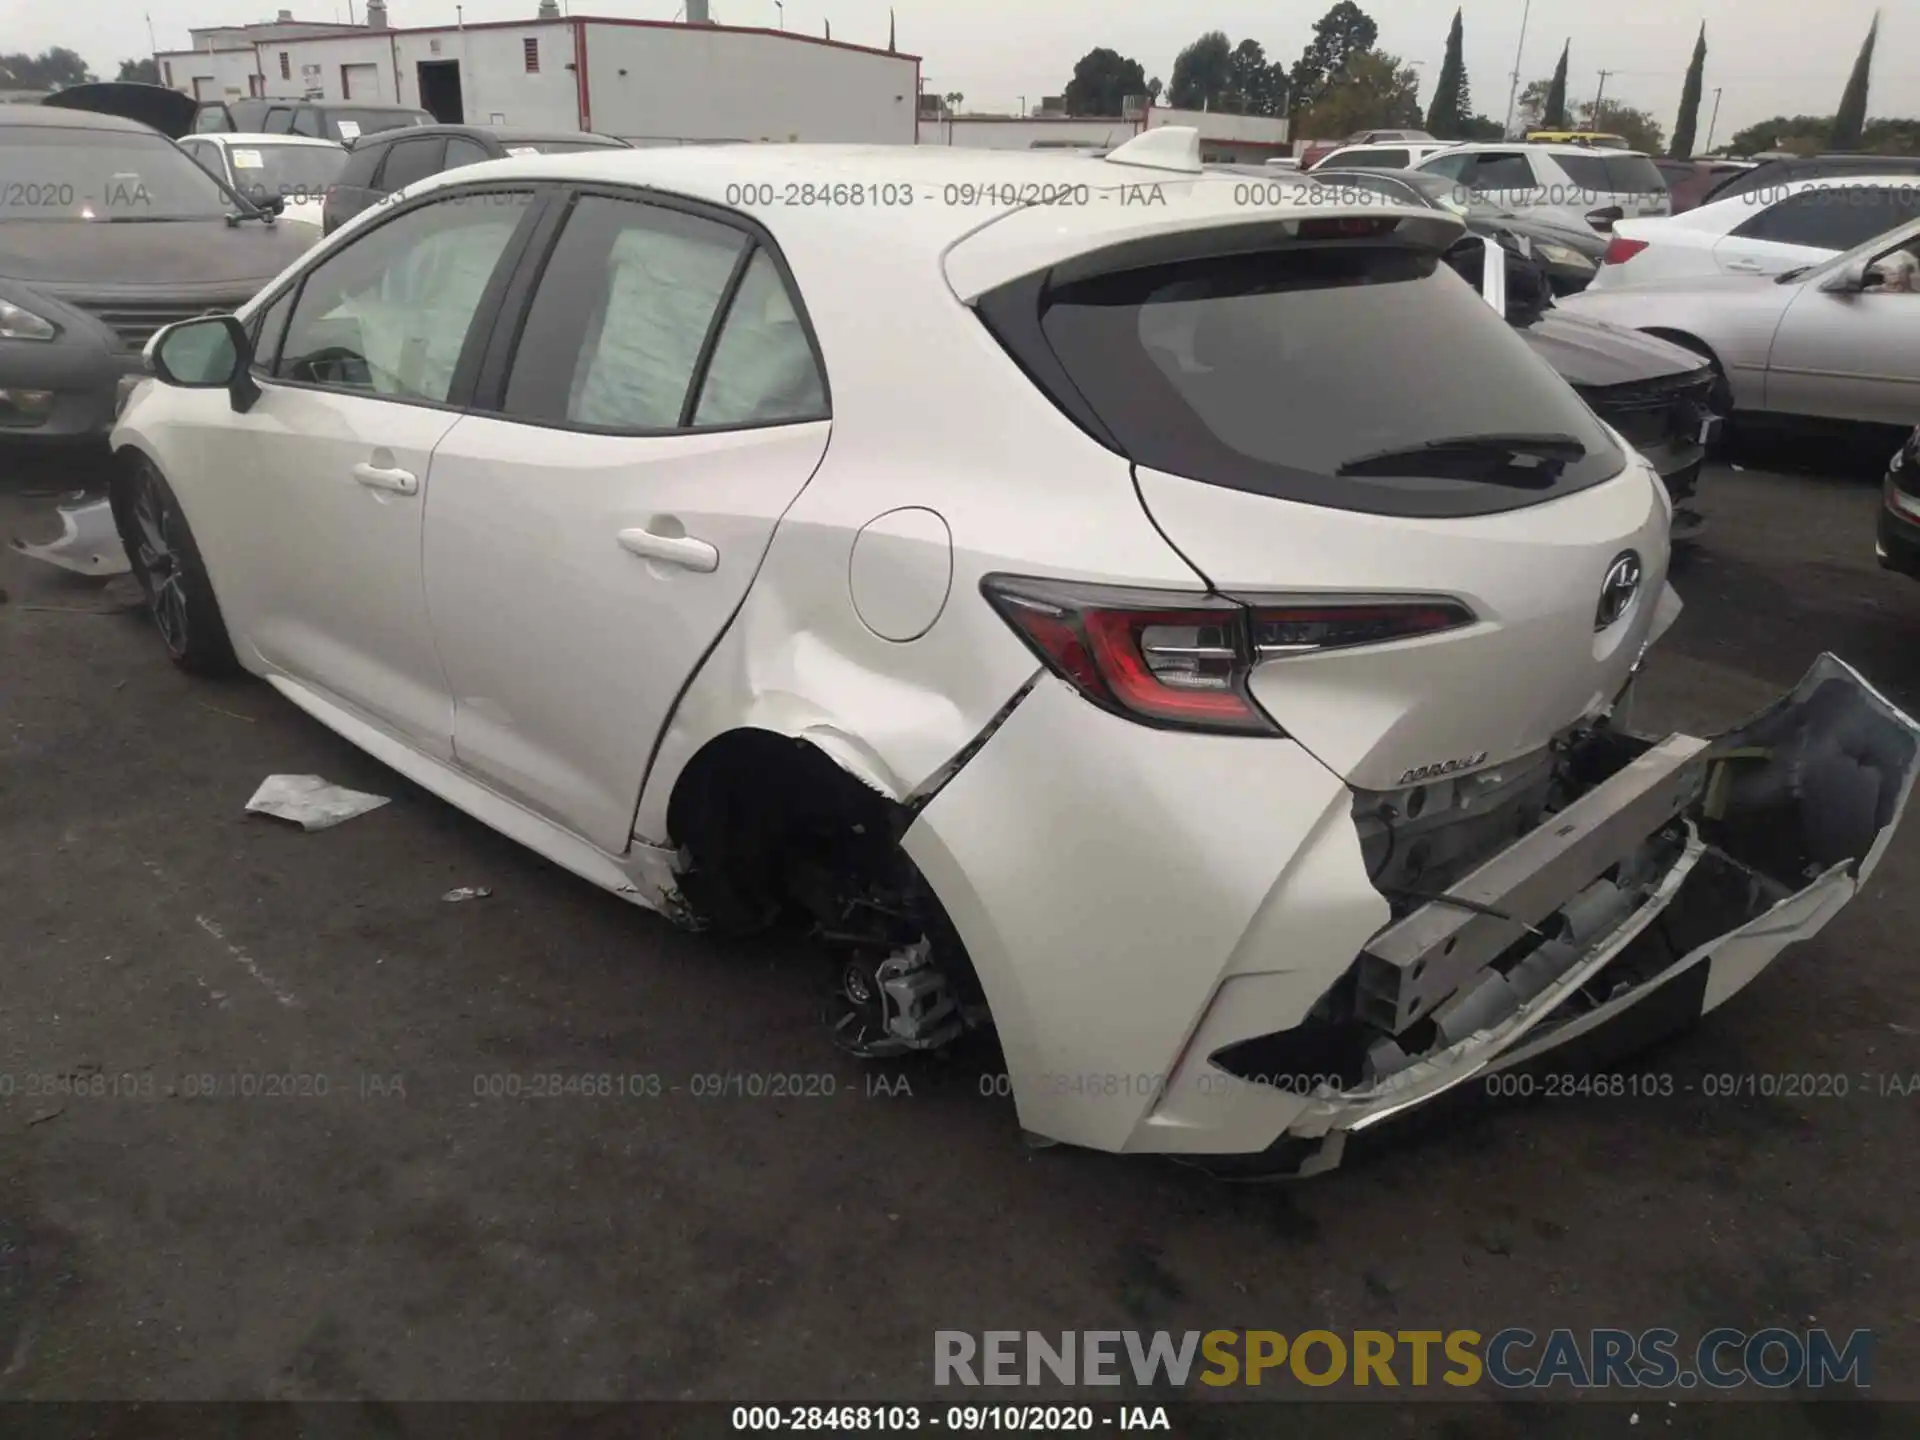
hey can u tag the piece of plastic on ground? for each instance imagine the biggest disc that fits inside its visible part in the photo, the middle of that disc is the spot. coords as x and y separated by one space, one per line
88 544
468 892
310 802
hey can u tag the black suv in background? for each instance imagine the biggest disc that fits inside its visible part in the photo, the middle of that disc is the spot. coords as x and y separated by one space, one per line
1770 174
392 160
342 120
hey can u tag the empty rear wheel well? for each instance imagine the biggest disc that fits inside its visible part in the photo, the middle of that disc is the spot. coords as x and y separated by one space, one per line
748 804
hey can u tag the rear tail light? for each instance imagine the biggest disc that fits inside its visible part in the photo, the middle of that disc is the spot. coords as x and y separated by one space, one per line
1182 661
1620 250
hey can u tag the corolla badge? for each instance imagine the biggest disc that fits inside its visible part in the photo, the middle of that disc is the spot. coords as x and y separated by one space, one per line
1618 590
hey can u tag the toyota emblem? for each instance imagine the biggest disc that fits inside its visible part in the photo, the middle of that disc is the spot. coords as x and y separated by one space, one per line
1618 590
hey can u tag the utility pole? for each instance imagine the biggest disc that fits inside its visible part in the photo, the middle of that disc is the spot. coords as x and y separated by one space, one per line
1513 90
1594 119
1714 121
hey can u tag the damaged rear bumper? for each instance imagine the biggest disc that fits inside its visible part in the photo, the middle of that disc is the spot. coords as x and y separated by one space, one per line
1682 869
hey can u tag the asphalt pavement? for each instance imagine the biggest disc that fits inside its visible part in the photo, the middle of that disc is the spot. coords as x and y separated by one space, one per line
359 1210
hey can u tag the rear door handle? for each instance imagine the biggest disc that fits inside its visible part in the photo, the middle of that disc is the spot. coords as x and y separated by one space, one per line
377 477
682 550
1746 267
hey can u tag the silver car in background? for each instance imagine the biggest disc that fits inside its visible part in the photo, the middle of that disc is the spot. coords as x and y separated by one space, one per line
1835 341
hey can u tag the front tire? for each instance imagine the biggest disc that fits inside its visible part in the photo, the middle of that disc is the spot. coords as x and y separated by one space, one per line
166 562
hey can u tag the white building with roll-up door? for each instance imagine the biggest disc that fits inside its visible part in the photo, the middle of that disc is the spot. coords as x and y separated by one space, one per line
649 81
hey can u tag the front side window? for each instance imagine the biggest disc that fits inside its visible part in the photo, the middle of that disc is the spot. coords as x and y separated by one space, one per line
1502 172
388 314
1449 167
1376 159
279 121
462 151
621 316
103 176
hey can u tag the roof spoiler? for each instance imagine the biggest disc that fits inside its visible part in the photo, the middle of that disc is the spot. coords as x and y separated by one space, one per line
1169 147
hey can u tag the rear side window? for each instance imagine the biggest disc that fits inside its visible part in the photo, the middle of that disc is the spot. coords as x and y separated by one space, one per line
1307 374
1614 174
1836 217
361 165
462 151
621 316
1377 159
411 160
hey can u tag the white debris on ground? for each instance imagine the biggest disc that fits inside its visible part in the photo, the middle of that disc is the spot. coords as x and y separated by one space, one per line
468 892
310 802
89 541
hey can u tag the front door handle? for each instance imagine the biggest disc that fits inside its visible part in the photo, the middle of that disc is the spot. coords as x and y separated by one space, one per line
1746 267
379 477
682 550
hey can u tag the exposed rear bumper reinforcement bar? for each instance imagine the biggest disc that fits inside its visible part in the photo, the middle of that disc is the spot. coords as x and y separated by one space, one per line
1661 891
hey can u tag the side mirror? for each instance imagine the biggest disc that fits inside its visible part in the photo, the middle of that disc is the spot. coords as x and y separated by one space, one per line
1849 279
211 352
273 204
1602 219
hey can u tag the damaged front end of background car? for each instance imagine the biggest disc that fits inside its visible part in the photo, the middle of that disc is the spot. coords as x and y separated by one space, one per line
1609 891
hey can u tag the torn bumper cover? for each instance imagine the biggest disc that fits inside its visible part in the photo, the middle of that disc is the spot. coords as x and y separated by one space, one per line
88 543
1679 870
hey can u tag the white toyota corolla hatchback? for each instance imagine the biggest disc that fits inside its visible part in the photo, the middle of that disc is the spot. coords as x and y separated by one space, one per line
1166 617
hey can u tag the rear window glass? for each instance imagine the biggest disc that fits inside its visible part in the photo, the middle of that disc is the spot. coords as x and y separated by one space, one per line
1274 372
1617 174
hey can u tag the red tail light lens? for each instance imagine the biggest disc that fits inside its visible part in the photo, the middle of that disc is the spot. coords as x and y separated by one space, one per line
1620 250
1182 660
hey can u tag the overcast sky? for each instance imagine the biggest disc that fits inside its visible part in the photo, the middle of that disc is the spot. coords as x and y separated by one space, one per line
1770 56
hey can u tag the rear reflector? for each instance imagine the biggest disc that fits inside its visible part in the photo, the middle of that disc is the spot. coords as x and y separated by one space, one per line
1620 250
1346 227
1181 660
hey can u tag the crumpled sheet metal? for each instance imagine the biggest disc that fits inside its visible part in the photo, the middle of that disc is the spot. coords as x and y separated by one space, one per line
310 802
89 541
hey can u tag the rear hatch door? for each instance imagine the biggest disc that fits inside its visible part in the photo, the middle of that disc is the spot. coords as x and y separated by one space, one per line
1319 426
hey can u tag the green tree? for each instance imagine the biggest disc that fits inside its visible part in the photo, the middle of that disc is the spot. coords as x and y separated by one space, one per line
1202 72
1639 129
1255 87
1850 120
145 72
1530 106
1891 137
1102 80
1342 33
1772 134
1482 127
1689 118
53 69
1370 91
1553 109
1452 108
1155 89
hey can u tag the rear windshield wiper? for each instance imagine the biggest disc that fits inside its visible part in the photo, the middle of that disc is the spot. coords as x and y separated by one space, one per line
1511 459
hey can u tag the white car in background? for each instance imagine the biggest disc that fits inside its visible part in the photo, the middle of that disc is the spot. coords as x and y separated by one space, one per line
1835 341
1588 186
1399 155
1762 232
294 169
1228 724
